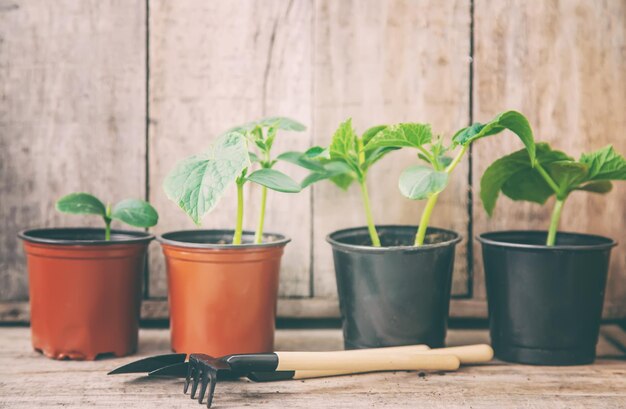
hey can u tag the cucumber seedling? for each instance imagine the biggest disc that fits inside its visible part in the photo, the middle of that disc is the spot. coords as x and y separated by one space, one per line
538 172
133 212
349 158
198 182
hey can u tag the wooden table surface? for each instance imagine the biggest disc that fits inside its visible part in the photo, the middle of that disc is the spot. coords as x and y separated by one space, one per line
27 380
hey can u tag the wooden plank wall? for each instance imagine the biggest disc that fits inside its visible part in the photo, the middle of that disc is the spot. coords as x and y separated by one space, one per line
106 96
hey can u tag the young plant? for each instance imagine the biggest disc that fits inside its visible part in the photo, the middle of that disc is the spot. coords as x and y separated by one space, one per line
198 182
343 162
350 157
537 173
133 212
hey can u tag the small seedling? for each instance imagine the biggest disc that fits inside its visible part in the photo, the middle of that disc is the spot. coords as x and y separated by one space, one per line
344 162
198 182
133 212
537 173
349 158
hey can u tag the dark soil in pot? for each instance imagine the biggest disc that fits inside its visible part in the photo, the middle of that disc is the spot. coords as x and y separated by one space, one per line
85 292
396 294
222 296
545 303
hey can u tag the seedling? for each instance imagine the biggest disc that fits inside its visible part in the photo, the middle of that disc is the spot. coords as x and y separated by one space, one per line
537 173
349 158
133 212
198 182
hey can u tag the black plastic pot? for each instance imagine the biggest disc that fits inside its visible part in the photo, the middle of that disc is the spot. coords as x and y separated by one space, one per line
397 294
545 303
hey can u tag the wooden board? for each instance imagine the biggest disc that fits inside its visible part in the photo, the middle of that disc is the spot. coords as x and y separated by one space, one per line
562 65
72 116
384 62
74 384
214 65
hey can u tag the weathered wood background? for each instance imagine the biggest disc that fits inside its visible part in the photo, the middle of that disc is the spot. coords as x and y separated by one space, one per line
105 96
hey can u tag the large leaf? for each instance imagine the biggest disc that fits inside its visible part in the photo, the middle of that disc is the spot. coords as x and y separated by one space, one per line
605 164
401 135
275 180
511 120
421 182
301 159
135 212
515 177
198 182
344 143
81 203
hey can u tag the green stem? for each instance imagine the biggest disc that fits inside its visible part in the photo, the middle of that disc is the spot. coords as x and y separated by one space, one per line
432 201
423 226
547 178
554 222
368 214
239 225
258 237
107 223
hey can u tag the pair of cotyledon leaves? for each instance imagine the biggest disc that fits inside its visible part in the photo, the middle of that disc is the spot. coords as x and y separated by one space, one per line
198 182
133 212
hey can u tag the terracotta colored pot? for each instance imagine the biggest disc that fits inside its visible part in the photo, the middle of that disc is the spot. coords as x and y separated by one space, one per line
85 292
222 297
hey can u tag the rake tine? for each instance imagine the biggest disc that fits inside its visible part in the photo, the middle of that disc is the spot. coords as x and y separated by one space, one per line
196 377
213 381
203 385
190 370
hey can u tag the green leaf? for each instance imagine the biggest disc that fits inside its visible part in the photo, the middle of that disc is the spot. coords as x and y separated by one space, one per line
567 174
511 120
515 177
315 151
135 212
338 172
370 133
375 155
344 143
301 159
278 122
605 164
254 158
275 180
421 182
401 135
81 203
600 186
198 182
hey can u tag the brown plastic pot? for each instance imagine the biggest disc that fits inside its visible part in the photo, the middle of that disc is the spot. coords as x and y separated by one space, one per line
85 292
222 297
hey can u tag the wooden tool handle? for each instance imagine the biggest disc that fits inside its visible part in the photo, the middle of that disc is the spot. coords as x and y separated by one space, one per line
355 363
469 354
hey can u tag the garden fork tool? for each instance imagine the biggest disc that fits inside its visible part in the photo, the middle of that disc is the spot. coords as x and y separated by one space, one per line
205 371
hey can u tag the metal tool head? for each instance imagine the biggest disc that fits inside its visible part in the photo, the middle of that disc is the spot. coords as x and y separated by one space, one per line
203 369
150 363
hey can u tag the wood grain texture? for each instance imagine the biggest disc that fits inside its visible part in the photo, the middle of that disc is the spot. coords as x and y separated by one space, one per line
217 64
385 62
72 116
561 63
73 384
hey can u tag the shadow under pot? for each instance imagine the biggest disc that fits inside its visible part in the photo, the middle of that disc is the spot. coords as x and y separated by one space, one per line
545 303
85 291
396 294
222 296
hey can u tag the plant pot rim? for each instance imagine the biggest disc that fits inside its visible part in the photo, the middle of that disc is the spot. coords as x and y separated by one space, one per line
171 239
491 238
332 239
62 236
